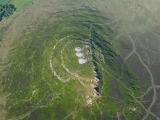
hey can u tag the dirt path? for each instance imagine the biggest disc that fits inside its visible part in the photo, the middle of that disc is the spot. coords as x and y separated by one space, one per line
148 110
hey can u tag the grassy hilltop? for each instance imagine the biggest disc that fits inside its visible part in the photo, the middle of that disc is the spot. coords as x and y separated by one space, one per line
41 78
36 93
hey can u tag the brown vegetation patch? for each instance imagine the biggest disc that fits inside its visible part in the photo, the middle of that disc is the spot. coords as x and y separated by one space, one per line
156 107
147 99
115 92
155 68
127 46
137 68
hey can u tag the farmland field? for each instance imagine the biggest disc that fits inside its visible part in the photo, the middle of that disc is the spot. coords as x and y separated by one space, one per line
21 5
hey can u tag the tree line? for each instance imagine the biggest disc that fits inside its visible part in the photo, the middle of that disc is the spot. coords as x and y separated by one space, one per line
6 10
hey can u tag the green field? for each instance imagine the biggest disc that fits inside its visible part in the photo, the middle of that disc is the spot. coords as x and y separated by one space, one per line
4 1
19 4
38 94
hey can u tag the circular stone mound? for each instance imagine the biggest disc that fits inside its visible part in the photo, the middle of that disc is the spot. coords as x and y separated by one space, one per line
82 60
79 54
78 49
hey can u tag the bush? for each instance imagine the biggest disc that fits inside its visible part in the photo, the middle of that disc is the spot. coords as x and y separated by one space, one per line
6 10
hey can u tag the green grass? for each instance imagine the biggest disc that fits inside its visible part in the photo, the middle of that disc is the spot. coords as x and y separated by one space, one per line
71 61
57 62
30 72
21 5
3 2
